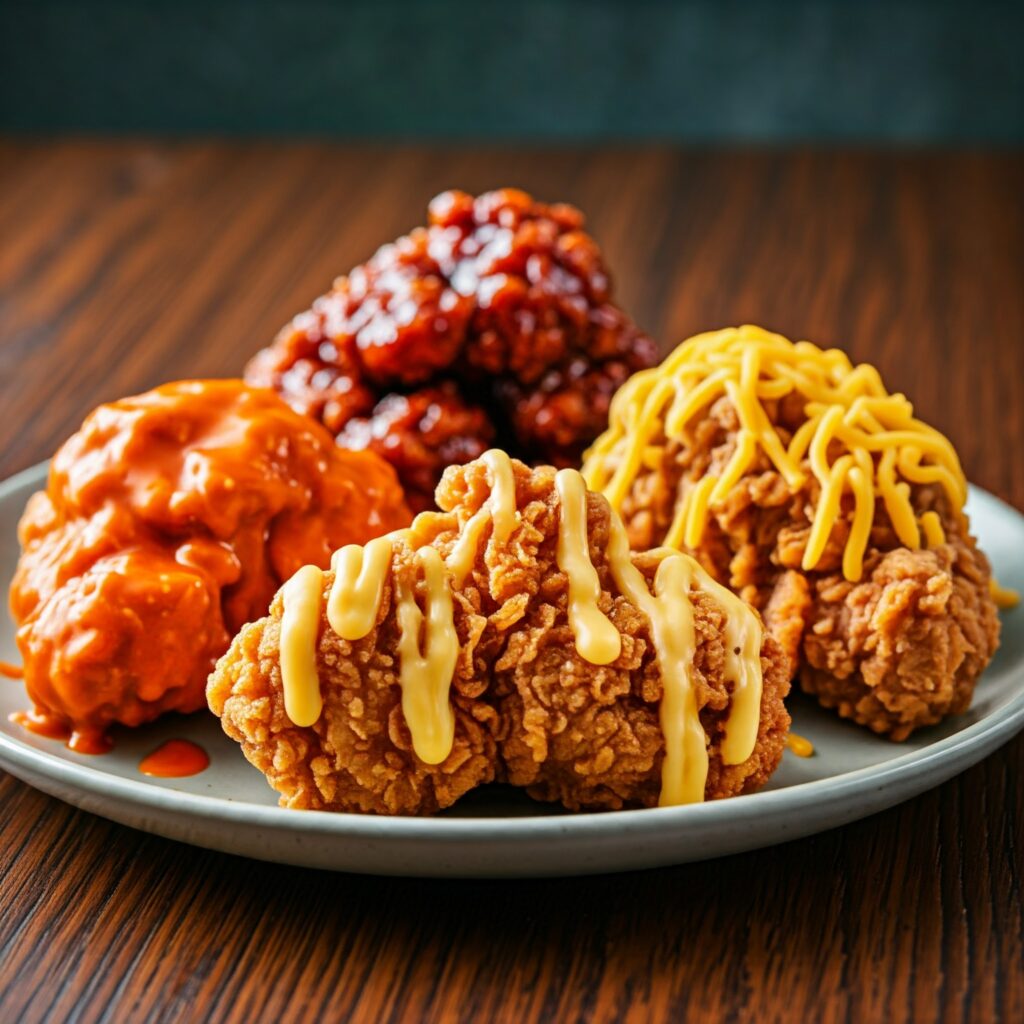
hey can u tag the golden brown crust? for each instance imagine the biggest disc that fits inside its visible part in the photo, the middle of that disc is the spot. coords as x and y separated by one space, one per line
529 709
898 650
358 756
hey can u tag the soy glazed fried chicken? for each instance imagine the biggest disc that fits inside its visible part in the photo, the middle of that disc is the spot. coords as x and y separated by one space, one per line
796 479
509 636
494 323
168 520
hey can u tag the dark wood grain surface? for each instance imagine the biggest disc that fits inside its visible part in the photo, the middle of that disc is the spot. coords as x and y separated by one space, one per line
123 265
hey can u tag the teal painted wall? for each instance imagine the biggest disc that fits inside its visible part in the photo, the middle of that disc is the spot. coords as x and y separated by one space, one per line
905 71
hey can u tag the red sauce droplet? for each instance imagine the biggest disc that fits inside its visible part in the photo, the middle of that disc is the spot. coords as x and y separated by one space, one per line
11 671
174 760
41 725
90 743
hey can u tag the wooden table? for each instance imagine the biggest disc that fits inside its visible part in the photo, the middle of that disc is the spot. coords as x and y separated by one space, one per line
126 264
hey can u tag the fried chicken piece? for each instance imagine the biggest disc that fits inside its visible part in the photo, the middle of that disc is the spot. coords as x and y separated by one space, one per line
168 521
898 649
493 322
358 756
528 708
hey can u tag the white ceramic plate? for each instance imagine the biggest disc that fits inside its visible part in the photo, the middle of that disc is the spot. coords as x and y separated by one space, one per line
498 831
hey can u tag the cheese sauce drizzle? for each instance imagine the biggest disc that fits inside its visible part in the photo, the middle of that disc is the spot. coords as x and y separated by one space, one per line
300 624
353 605
597 639
858 439
499 509
670 612
426 673
359 575
1004 597
428 645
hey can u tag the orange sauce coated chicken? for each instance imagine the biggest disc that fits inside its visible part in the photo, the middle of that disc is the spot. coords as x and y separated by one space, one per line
169 520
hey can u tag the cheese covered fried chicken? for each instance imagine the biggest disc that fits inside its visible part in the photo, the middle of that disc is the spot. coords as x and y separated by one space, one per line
495 322
796 479
510 636
168 521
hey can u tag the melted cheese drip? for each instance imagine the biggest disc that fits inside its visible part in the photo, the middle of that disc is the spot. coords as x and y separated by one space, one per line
426 673
597 639
499 509
300 623
353 605
428 645
799 745
882 447
670 613
359 575
1003 596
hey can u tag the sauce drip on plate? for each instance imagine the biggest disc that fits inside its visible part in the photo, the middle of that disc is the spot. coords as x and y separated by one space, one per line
799 745
175 759
41 724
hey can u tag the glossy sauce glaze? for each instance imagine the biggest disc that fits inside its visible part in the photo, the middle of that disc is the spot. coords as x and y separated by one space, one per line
495 319
80 741
169 520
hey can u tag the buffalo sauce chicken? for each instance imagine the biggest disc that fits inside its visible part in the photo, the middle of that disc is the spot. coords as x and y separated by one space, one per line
168 521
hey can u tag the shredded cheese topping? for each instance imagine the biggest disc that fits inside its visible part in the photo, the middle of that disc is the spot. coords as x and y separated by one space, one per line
857 440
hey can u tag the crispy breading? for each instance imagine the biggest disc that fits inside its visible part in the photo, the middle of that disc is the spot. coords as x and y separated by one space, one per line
529 710
900 649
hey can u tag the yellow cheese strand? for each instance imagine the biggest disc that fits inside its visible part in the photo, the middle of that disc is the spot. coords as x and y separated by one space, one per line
1003 596
931 525
499 509
697 510
597 639
863 515
670 613
746 446
827 512
300 622
358 587
896 497
426 675
799 745
847 407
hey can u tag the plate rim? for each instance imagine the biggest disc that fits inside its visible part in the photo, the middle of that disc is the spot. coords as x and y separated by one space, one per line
981 738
